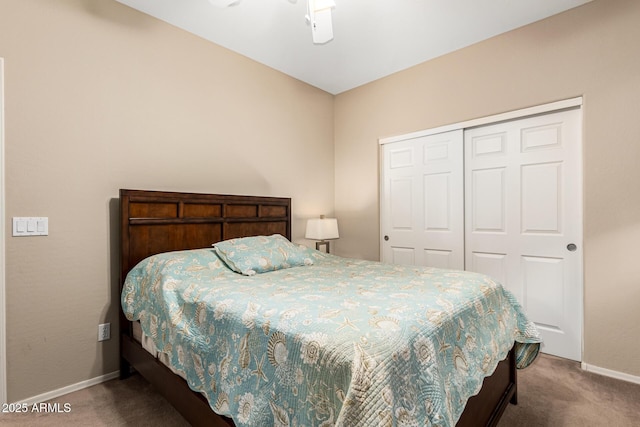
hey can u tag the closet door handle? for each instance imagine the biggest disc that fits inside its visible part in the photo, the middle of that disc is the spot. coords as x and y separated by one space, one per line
571 247
386 238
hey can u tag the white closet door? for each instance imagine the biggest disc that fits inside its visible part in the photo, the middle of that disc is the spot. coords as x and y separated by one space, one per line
422 216
524 219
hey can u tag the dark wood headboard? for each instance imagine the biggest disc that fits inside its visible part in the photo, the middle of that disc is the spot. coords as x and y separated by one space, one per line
152 222
156 221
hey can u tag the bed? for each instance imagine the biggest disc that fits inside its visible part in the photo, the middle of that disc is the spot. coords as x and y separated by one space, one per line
183 226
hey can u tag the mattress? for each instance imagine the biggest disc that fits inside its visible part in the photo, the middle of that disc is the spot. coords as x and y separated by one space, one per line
147 343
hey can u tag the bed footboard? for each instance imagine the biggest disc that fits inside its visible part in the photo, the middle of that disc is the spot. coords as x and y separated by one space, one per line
498 390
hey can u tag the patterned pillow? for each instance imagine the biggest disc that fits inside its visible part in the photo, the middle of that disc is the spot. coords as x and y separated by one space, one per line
259 254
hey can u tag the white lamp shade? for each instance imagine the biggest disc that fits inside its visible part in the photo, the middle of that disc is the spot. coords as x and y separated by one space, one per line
322 229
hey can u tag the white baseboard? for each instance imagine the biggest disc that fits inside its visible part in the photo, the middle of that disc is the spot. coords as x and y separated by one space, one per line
609 373
69 389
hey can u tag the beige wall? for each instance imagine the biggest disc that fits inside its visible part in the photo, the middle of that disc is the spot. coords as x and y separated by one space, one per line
101 97
591 51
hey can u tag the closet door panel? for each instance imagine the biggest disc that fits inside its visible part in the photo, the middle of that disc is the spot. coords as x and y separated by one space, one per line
523 219
422 201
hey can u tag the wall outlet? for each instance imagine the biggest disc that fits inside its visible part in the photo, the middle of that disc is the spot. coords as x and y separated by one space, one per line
104 331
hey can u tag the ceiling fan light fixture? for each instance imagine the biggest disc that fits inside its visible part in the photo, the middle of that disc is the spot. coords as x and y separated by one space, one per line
319 17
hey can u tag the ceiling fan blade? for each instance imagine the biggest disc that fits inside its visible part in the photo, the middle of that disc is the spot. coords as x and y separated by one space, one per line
224 3
227 3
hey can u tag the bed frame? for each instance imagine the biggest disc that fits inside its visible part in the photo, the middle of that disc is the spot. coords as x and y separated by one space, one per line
154 221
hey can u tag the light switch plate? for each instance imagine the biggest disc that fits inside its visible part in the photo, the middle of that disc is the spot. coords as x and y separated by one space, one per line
30 226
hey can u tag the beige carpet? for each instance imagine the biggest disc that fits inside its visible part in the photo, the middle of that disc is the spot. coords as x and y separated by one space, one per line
557 392
552 392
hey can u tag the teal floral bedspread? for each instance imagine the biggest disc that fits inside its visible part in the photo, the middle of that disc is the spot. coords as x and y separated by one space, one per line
341 342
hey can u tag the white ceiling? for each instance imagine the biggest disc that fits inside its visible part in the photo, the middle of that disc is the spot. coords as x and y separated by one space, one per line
372 38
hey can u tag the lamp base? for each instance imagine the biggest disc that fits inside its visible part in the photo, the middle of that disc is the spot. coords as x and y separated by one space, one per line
322 243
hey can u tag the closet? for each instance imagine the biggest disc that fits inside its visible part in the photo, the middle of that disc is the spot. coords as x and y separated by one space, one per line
500 196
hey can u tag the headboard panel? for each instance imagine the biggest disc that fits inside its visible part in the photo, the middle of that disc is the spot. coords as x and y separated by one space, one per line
155 221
